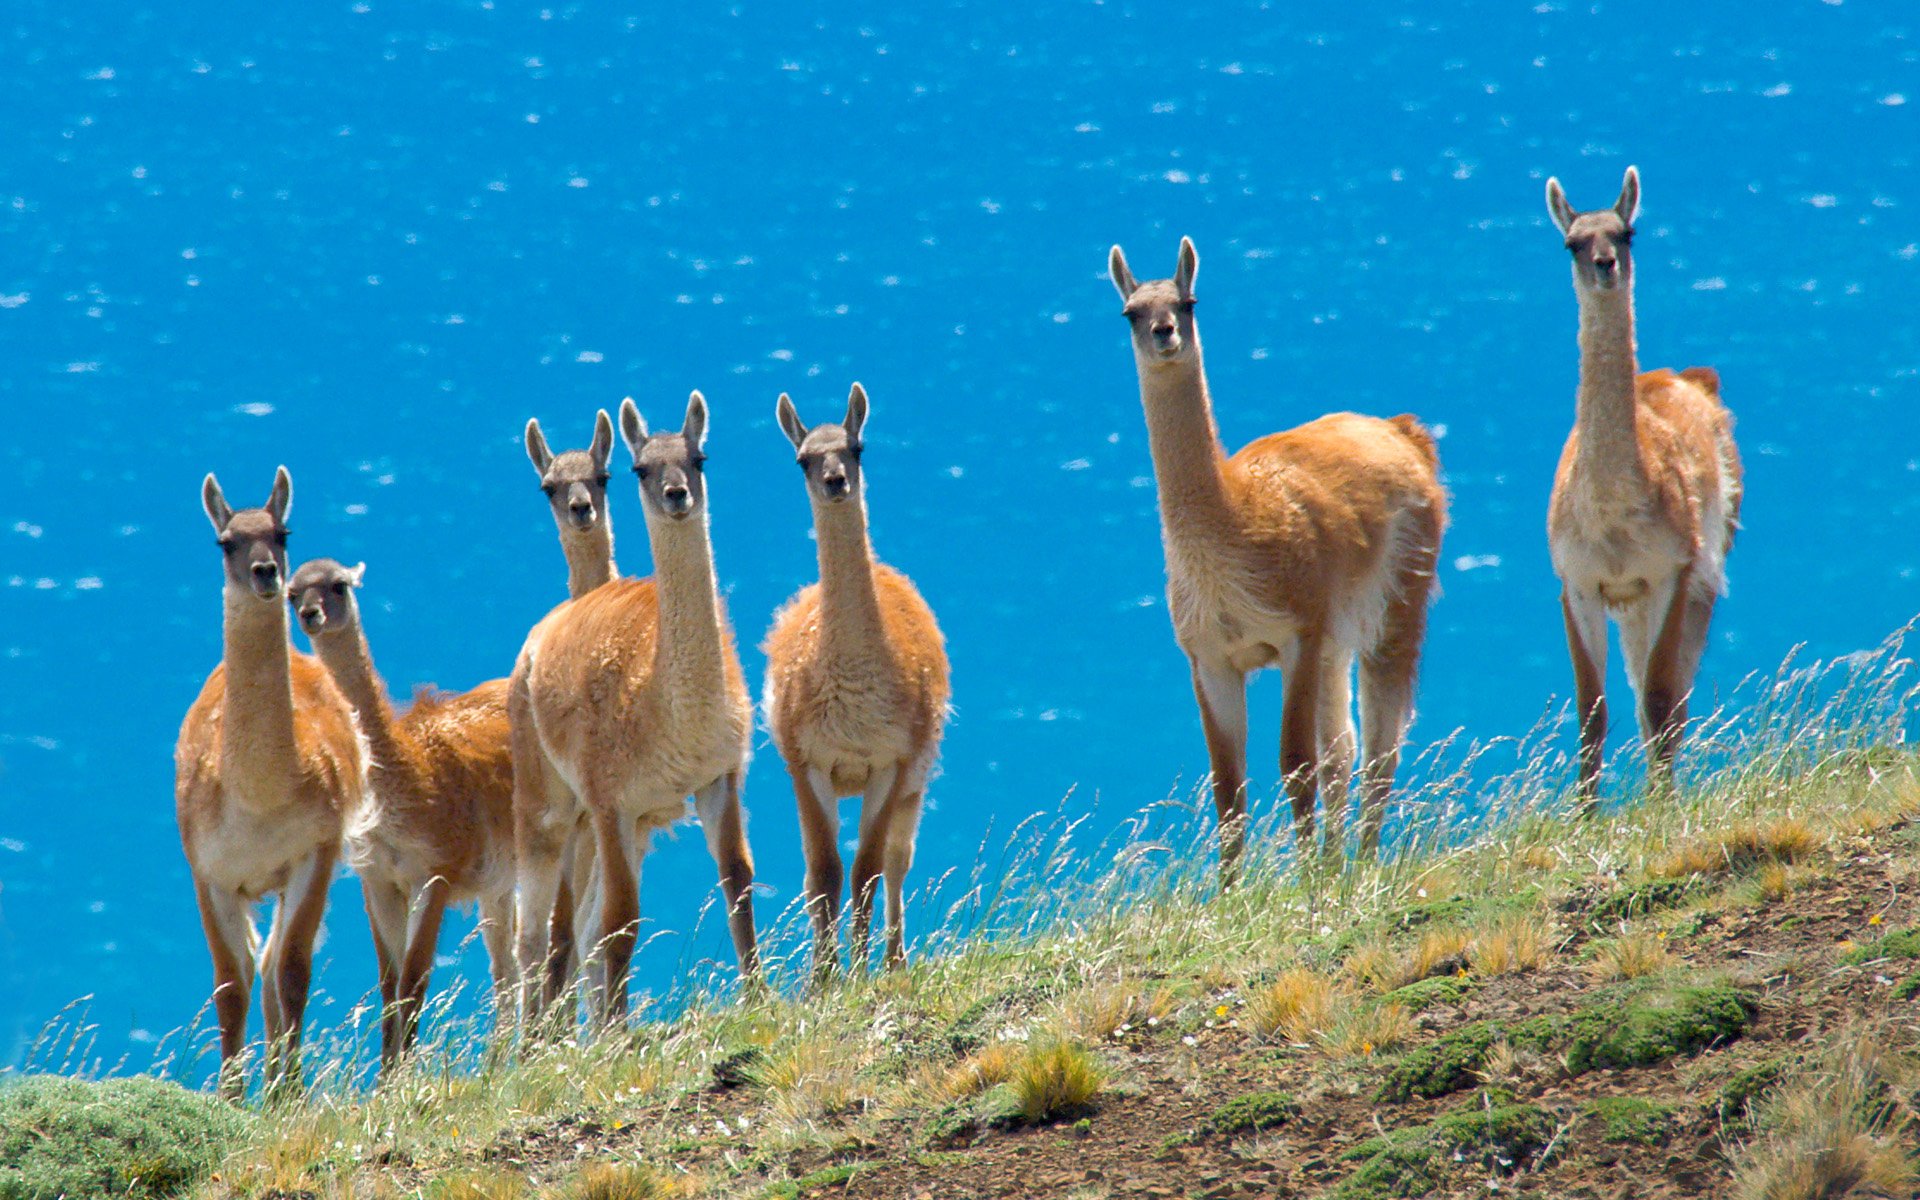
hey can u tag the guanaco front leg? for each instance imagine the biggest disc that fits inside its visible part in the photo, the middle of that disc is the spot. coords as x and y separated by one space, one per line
1586 621
229 930
1300 738
1222 693
725 825
416 969
820 834
1663 699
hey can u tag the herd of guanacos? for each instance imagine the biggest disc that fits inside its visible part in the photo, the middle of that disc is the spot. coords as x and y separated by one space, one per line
1312 550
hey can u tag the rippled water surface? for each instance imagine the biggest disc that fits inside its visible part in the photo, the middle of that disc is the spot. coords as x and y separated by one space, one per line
368 240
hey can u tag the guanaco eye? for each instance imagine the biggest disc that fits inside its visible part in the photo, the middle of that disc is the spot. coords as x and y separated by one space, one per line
549 489
602 478
641 472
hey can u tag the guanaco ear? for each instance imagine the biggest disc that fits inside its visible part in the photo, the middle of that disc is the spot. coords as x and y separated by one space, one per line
632 427
1123 280
1557 206
602 448
695 429
356 574
856 414
1627 207
537 452
280 500
1186 269
215 502
789 418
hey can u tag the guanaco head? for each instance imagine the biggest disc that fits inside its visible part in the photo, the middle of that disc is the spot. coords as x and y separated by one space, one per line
828 454
1601 240
671 466
321 595
1161 310
253 541
575 481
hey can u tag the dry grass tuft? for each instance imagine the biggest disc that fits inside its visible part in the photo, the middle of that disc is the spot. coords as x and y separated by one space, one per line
620 1181
479 1184
1296 1007
1369 1029
1839 1129
1630 956
1102 1012
1383 966
1055 1080
987 1068
1509 945
813 1077
1783 840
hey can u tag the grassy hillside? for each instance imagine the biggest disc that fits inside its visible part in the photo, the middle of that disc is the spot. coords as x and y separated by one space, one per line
1710 993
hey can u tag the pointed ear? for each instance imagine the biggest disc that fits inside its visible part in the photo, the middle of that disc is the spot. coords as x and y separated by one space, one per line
1123 280
1627 207
856 413
537 452
357 574
1557 206
1186 269
602 447
215 502
789 418
695 428
632 427
280 500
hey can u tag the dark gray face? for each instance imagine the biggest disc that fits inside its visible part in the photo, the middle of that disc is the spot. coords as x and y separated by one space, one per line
828 454
669 466
1600 241
575 481
253 541
321 595
1161 310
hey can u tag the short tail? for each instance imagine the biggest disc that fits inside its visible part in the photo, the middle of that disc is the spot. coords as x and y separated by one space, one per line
1705 378
1411 429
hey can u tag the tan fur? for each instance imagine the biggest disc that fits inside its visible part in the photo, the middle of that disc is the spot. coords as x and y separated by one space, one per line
437 829
268 767
1304 551
856 697
631 698
1645 501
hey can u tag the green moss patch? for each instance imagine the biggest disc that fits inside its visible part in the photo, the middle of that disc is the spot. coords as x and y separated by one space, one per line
1251 1114
1903 944
1656 1027
835 1177
1738 1095
1641 899
1418 1159
140 1137
1454 1062
1907 988
975 1026
1441 989
1631 1119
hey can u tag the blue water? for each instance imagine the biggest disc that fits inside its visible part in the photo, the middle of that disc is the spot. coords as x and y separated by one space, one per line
370 240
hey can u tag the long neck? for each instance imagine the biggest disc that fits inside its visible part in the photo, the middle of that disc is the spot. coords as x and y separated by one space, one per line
1188 460
589 557
256 723
849 606
689 646
1605 406
347 658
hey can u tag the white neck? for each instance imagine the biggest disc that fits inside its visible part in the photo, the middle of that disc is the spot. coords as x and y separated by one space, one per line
1606 403
1188 459
849 606
589 557
256 720
689 648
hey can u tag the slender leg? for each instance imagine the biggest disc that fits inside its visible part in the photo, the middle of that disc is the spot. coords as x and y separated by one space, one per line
619 927
272 1010
544 818
416 969
1222 694
230 939
1586 620
563 954
1663 700
869 860
1338 745
1299 739
819 834
725 824
387 917
306 893
496 932
903 828
1387 673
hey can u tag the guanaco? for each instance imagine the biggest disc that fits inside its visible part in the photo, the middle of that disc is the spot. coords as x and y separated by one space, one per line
1645 501
856 693
1303 551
